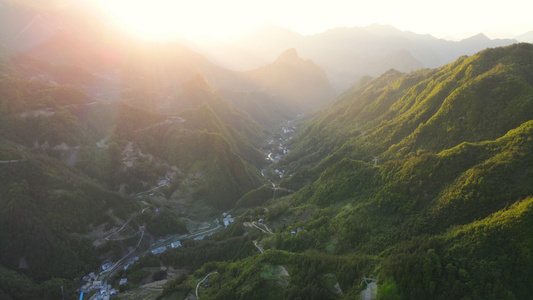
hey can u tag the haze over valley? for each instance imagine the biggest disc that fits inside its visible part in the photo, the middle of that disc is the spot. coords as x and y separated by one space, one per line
307 160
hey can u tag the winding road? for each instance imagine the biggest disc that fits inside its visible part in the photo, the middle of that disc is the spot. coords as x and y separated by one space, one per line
198 285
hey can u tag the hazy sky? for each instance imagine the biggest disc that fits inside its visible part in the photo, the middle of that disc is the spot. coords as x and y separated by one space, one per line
223 18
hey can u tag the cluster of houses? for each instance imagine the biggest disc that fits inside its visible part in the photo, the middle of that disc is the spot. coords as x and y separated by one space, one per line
162 249
131 262
288 129
281 150
227 219
105 292
279 172
92 284
90 279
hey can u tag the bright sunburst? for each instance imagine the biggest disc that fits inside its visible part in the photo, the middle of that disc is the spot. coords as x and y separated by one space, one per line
165 19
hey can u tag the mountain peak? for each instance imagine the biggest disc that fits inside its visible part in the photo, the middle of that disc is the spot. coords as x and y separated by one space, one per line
480 37
289 56
383 29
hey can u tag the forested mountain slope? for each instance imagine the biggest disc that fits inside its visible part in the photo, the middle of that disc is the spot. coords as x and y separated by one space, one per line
421 180
69 164
396 115
211 139
47 207
417 154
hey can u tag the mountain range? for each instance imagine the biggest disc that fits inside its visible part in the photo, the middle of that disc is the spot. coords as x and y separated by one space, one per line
346 54
416 176
154 70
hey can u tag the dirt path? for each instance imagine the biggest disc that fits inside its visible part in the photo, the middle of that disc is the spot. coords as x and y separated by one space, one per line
284 271
198 285
253 224
258 246
371 292
268 229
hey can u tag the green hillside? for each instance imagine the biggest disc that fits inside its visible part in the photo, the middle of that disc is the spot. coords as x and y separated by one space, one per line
453 146
421 180
397 115
64 155
211 139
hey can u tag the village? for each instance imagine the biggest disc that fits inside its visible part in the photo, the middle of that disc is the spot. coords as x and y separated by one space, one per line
97 282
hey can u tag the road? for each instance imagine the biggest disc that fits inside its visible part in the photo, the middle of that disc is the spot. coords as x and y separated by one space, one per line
198 285
11 161
119 264
124 225
152 190
370 292
173 238
111 271
256 244
268 229
263 230
105 275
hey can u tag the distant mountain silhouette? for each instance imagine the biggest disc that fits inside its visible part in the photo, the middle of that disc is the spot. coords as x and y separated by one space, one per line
347 54
249 50
299 81
525 37
289 82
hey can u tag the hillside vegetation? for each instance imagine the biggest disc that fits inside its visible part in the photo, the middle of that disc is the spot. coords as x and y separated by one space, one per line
211 139
64 155
423 180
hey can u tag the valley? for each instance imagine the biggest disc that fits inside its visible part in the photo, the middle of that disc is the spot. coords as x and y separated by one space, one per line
198 220
357 163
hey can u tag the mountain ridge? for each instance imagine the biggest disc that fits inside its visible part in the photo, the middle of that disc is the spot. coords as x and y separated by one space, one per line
344 53
430 220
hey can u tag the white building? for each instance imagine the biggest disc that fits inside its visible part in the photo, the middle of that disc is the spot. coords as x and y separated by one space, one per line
107 266
159 250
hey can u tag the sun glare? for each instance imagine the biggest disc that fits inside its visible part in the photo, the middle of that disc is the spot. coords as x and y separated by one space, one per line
167 19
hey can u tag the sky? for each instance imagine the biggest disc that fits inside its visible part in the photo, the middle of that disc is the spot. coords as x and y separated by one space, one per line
222 19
